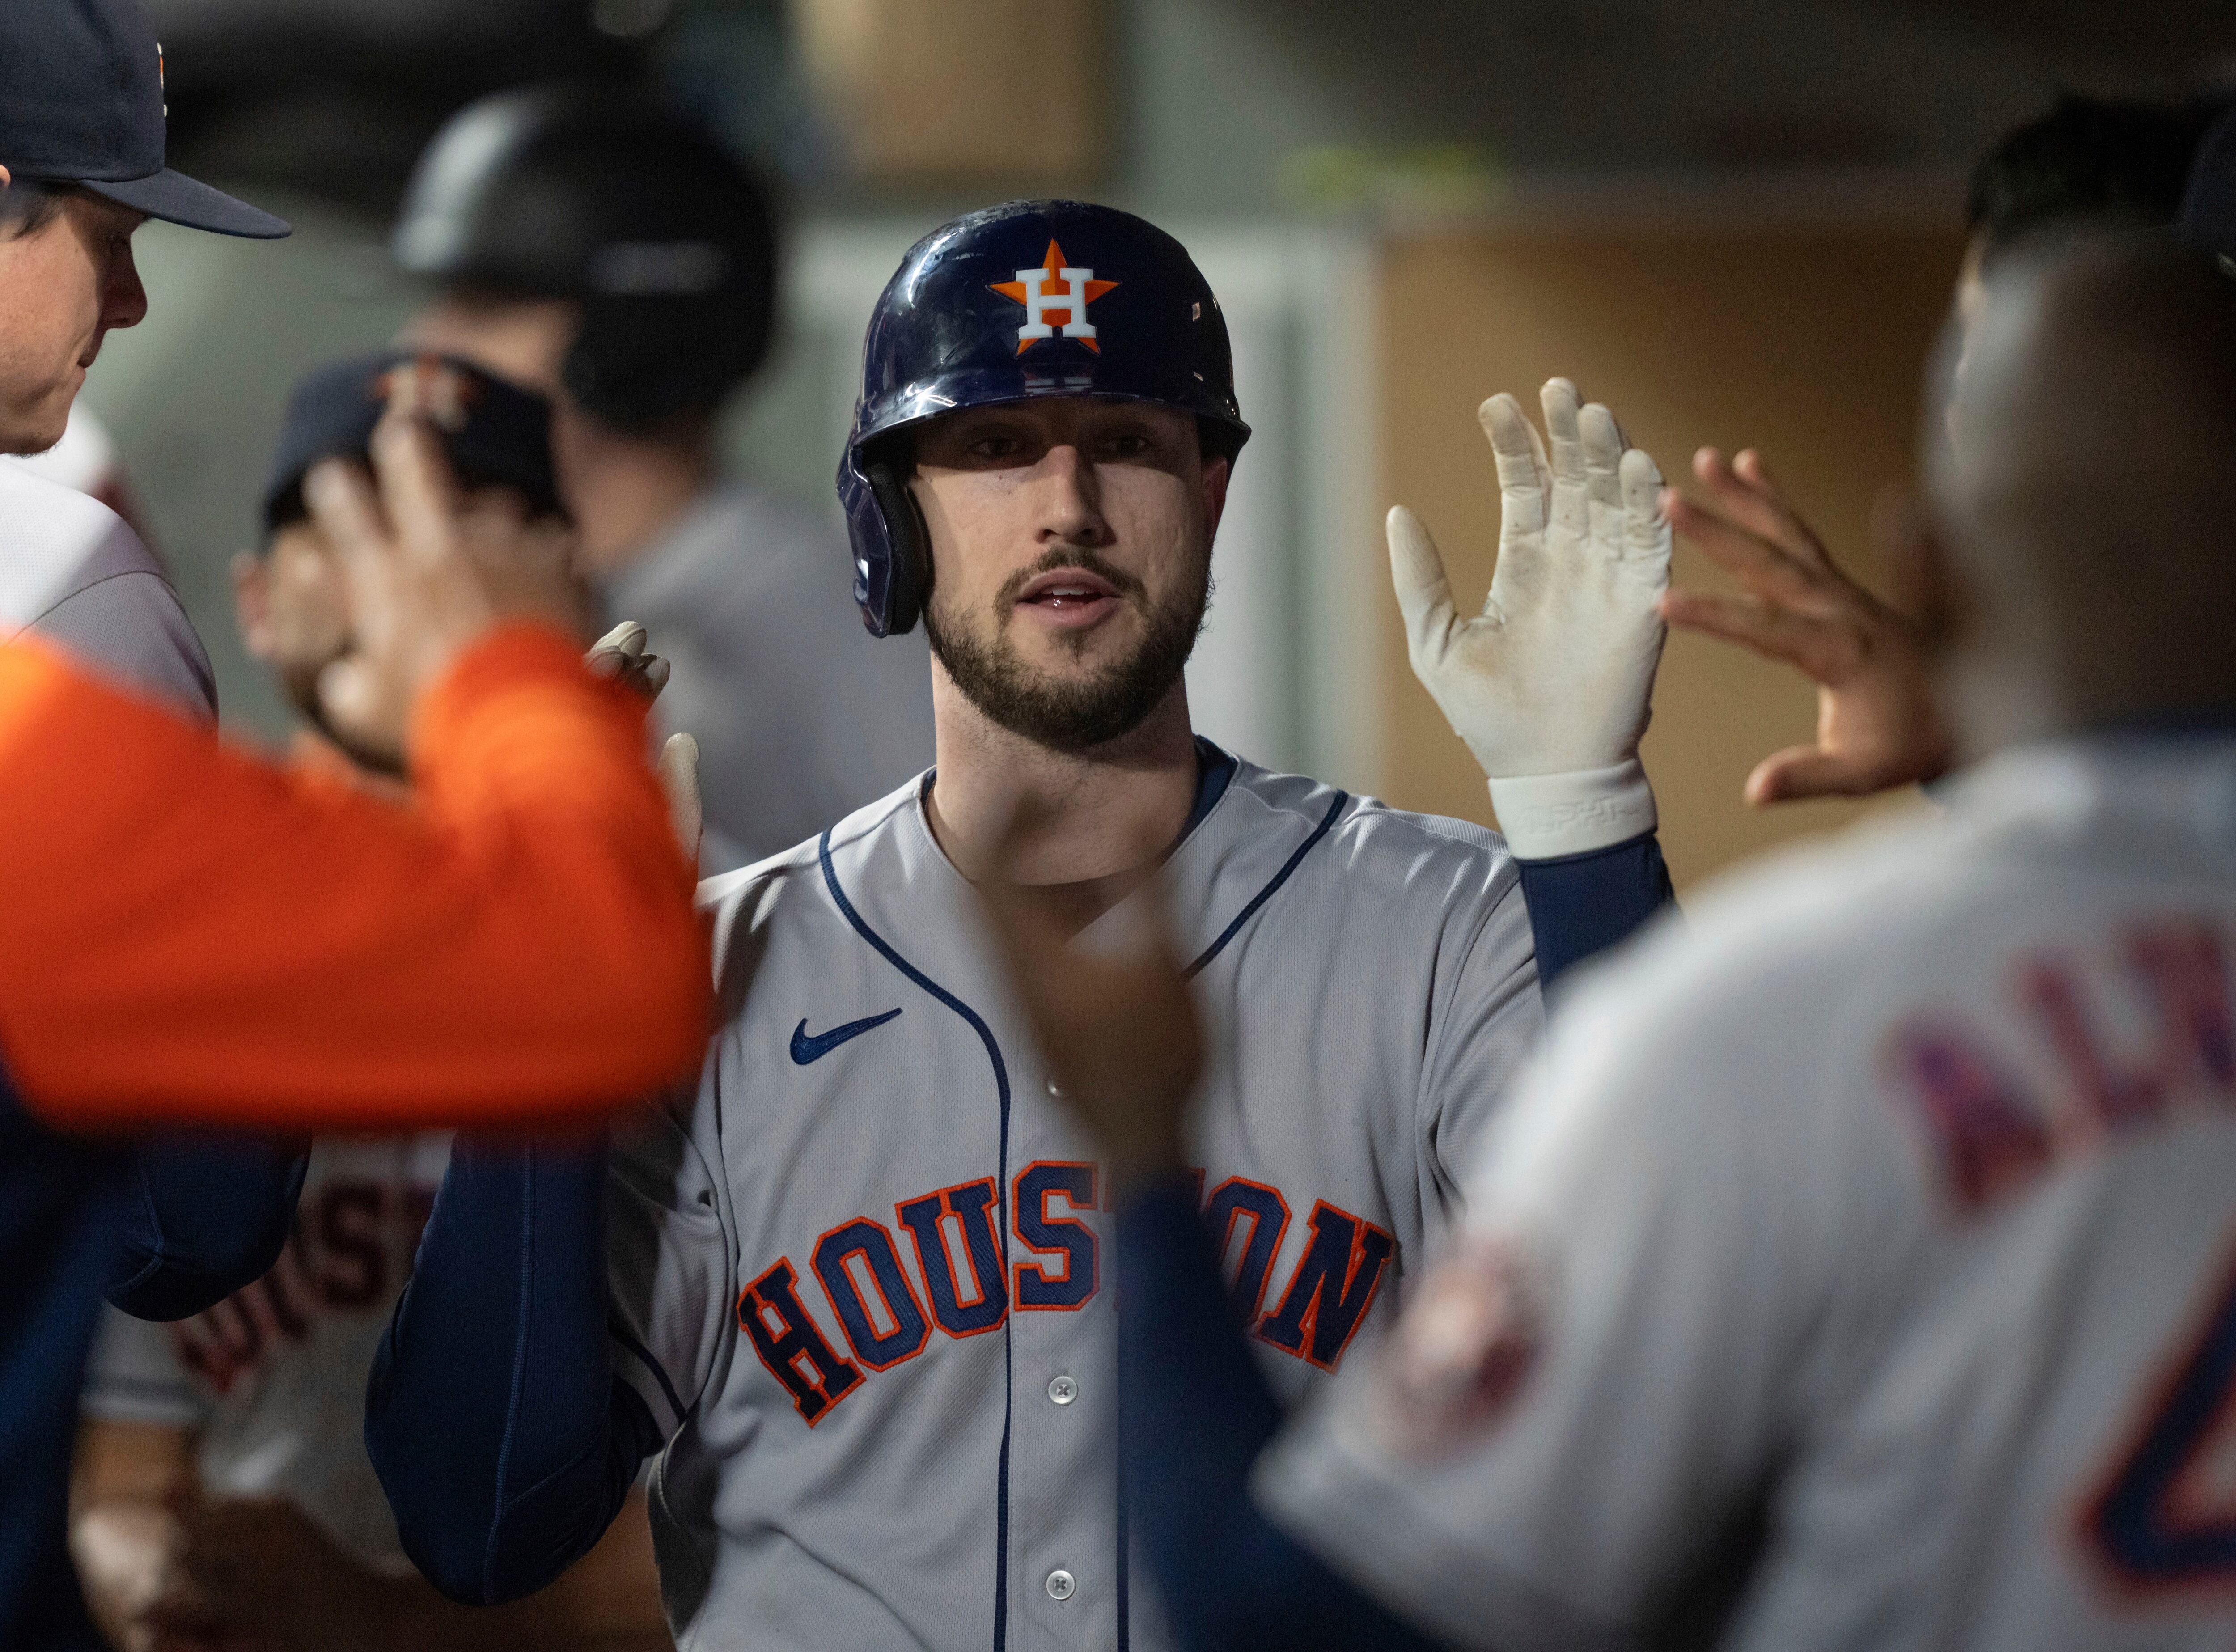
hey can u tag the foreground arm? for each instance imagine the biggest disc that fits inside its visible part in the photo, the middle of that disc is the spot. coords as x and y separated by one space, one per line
198 1218
523 941
291 952
504 1439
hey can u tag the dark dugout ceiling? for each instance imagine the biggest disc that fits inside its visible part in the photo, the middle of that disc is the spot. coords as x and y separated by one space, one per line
338 96
2153 37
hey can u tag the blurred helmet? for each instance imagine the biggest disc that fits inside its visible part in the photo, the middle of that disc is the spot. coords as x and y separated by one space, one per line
1035 297
601 196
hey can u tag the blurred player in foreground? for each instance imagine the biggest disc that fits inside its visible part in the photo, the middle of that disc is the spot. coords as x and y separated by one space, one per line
194 937
1855 1267
853 1293
608 254
221 1490
2087 161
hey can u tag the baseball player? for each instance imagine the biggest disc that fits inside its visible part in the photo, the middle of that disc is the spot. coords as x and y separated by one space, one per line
853 1290
193 935
1854 1268
608 254
221 1487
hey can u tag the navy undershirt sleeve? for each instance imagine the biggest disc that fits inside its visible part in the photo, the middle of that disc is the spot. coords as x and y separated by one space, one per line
504 1441
1582 905
199 1217
1198 1411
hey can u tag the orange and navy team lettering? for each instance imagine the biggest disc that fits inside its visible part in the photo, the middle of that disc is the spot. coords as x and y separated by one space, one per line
873 1294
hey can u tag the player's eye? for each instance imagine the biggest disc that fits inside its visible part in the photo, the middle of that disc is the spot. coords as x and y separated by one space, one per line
996 447
1130 445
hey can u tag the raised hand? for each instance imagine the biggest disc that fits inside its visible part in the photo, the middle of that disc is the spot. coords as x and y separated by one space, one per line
1116 1024
430 571
1556 675
1876 724
620 656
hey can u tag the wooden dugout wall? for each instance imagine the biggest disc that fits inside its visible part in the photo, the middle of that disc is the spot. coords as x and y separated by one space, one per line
1807 343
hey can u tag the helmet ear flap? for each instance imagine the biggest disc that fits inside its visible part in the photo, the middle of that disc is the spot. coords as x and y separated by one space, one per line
910 580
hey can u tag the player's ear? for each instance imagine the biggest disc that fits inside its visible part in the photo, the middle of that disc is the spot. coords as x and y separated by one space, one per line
1217 469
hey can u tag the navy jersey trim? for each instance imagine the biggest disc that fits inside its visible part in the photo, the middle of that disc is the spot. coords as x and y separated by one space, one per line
977 1024
1327 822
619 1333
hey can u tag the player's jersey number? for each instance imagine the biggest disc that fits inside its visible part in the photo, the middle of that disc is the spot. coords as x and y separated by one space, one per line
2165 1517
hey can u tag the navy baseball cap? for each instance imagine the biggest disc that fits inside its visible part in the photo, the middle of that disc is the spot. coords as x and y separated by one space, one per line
81 103
495 434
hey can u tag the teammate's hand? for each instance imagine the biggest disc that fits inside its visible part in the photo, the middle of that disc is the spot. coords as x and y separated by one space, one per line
620 654
1876 724
1117 1024
1556 675
430 571
678 779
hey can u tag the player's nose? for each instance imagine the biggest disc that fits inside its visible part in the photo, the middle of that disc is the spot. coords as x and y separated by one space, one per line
1068 500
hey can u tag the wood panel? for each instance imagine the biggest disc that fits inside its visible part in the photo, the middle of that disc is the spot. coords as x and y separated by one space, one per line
1807 343
991 93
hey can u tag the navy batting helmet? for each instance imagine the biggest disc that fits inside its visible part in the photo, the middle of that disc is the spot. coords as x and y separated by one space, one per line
1035 297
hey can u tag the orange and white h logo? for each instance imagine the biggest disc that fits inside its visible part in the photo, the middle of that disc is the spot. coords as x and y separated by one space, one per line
1055 297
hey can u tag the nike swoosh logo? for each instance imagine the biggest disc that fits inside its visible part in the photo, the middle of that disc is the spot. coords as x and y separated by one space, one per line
807 1047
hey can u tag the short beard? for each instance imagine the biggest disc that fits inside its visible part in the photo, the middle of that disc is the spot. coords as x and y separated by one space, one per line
1072 716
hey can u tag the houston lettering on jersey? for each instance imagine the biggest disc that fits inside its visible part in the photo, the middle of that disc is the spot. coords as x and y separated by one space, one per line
1996 1135
936 1267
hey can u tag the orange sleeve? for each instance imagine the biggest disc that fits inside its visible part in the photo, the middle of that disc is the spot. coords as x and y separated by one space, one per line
188 933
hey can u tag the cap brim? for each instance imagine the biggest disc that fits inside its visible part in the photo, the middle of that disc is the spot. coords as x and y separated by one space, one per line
177 198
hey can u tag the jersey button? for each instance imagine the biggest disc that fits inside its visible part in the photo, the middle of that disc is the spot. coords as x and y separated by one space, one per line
1062 1390
1061 1585
1054 1091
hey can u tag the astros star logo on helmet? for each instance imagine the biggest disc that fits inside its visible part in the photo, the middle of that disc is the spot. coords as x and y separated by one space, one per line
1055 290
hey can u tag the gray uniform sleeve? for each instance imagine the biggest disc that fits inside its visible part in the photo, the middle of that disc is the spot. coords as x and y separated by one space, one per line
131 624
1489 1021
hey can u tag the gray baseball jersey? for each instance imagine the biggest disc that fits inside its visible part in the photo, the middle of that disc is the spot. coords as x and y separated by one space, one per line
1895 1196
295 1424
800 715
74 572
857 1277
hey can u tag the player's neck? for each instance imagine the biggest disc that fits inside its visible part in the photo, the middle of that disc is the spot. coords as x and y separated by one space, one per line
1092 811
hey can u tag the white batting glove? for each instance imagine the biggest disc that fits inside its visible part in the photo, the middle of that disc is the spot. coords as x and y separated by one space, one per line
1550 686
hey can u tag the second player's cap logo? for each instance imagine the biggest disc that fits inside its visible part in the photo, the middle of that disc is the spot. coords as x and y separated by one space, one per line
1055 297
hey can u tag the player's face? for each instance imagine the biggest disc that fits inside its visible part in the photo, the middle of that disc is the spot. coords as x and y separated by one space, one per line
63 286
1071 559
293 605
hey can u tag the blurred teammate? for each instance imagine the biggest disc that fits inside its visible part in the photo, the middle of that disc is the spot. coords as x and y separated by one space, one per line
222 1488
609 254
194 937
853 1292
2087 161
1855 1267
